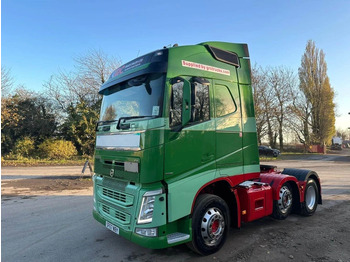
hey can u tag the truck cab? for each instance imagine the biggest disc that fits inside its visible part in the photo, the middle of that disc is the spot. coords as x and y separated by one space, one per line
176 145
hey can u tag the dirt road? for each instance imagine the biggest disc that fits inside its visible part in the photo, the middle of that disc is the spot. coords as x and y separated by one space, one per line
49 218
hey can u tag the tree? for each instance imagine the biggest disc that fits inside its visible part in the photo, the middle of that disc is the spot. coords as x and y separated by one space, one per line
315 85
259 85
272 88
265 106
26 114
76 97
281 81
82 84
300 122
6 82
79 127
343 133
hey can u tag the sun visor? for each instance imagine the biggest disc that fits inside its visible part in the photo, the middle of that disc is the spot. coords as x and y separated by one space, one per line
155 62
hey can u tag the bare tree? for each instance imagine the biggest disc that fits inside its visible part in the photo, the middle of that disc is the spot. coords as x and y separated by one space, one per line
265 105
95 67
82 84
272 90
281 81
259 86
7 81
268 99
343 133
300 121
76 97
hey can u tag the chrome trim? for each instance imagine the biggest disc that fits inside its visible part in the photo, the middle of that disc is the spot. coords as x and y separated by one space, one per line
122 133
177 237
119 148
153 193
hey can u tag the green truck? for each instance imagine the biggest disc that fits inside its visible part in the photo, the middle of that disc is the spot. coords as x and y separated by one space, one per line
177 158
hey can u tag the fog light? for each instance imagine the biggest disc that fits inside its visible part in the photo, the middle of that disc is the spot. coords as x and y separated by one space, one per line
147 232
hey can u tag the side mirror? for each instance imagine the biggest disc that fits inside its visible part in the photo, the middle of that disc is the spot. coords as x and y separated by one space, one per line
186 103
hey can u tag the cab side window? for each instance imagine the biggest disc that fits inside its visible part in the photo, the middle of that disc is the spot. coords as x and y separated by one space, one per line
200 102
176 103
224 103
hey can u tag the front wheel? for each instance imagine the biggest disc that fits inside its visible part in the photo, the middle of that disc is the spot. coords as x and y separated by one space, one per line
283 206
210 224
309 206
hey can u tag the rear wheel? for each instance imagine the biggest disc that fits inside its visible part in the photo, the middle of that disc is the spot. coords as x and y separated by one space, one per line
283 206
309 206
210 224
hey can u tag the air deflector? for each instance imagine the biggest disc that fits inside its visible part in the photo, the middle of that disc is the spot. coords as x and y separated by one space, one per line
224 56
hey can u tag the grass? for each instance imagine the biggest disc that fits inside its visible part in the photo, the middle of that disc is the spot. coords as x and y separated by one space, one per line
22 162
288 156
80 160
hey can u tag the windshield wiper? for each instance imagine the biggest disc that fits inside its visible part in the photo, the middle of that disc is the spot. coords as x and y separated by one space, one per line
120 125
126 126
103 123
106 122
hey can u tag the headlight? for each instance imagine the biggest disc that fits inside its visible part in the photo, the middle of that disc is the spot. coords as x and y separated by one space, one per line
147 206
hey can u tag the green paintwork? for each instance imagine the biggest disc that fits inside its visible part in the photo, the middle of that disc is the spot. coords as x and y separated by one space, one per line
182 192
178 161
182 225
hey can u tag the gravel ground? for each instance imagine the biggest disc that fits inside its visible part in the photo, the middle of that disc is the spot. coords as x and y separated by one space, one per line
28 221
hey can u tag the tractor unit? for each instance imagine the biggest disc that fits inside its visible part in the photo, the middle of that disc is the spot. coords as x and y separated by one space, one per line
177 157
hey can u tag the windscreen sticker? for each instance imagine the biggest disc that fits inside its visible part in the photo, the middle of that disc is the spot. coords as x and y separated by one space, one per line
205 67
126 67
132 64
155 111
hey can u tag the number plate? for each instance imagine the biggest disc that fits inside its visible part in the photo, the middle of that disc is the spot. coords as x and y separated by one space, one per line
112 227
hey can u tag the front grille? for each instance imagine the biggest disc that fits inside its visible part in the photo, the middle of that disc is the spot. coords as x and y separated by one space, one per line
119 197
114 194
106 209
117 215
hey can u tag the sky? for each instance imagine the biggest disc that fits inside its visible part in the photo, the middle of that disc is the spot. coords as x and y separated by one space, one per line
39 37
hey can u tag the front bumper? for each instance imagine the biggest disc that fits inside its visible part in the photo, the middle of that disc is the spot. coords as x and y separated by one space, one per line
154 242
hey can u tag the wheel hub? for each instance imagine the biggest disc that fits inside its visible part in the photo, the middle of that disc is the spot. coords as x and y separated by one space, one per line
215 226
212 227
285 200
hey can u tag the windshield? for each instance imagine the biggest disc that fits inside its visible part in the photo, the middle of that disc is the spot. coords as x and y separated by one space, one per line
139 96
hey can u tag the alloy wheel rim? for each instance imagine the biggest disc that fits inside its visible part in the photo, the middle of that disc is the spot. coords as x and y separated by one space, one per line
310 197
212 226
285 199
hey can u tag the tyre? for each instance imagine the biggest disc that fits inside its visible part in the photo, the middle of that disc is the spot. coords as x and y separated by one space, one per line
210 224
309 206
283 206
275 154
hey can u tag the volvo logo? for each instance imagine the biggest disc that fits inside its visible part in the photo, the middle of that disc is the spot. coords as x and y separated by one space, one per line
111 172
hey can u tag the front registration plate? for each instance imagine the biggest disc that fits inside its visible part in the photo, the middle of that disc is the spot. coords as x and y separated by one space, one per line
112 227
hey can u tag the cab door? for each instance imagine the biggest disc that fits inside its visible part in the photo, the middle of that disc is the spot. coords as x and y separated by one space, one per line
190 149
228 128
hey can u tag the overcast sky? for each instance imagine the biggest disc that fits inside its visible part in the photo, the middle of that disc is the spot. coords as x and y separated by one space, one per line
40 37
